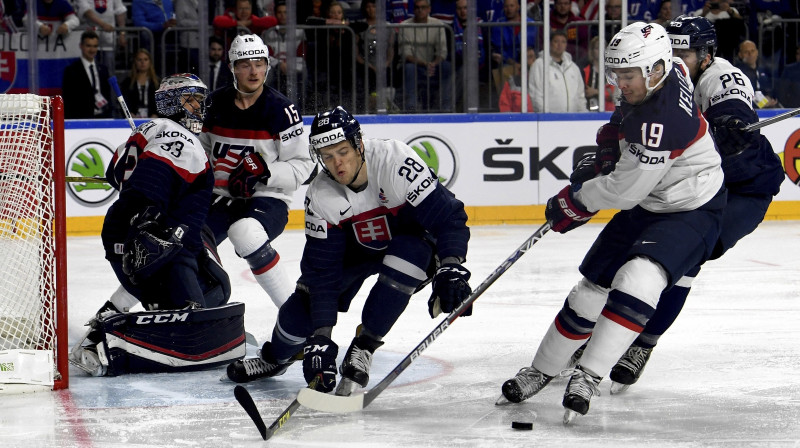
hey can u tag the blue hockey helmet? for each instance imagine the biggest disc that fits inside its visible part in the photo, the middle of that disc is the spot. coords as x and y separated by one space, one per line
171 98
331 127
688 32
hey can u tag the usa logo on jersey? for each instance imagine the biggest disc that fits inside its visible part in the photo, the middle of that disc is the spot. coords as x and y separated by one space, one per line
373 233
8 70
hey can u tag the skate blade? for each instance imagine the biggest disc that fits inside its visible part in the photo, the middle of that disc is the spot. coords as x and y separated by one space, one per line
503 401
345 388
618 388
569 416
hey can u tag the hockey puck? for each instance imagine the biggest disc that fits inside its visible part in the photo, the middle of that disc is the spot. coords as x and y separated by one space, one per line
522 425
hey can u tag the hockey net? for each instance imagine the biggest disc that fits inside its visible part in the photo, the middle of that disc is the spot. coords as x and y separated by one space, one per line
33 311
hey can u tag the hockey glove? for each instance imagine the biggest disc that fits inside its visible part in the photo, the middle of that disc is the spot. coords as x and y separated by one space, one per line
586 169
319 360
450 288
149 246
244 178
607 140
565 213
730 136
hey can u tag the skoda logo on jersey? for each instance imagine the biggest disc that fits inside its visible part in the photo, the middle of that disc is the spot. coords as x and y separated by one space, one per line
679 41
791 157
8 70
90 159
438 154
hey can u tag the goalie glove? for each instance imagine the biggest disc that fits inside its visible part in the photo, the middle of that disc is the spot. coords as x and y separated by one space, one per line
565 213
319 361
149 245
450 287
244 178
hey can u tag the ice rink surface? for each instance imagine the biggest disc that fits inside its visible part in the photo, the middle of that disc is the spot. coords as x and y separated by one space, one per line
725 375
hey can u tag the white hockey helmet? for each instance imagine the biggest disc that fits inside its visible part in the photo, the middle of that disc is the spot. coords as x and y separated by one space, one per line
642 45
247 46
170 100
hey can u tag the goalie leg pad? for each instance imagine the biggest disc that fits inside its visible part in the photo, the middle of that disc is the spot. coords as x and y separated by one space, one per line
172 340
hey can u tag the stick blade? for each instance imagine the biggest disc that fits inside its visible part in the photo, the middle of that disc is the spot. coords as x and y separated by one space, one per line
335 404
244 399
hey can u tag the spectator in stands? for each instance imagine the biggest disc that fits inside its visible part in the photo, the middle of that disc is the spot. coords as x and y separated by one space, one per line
561 16
276 39
592 80
157 16
761 80
366 58
613 13
718 9
642 10
564 84
187 15
139 88
459 23
54 16
507 44
11 12
664 13
426 69
789 86
241 20
398 11
219 73
444 10
511 96
107 15
85 87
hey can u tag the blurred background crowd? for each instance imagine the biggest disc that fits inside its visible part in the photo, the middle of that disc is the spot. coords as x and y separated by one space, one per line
400 56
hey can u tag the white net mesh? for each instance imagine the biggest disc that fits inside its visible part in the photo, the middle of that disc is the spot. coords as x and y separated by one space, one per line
27 215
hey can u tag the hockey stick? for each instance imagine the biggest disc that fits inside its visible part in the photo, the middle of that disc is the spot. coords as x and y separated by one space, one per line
341 404
115 86
86 180
246 400
775 119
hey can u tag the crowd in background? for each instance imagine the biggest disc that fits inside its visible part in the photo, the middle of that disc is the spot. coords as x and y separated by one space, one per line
332 58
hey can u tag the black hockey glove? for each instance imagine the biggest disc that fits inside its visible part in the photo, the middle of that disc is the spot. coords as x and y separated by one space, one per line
450 288
730 136
149 245
565 213
319 361
244 178
603 160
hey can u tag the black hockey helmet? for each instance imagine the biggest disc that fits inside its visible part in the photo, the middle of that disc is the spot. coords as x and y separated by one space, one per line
693 32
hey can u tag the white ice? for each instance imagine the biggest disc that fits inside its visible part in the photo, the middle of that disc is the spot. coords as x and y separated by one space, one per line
726 374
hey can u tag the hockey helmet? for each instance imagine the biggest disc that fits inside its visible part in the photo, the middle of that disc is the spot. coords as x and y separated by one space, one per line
247 46
171 98
640 45
697 33
331 127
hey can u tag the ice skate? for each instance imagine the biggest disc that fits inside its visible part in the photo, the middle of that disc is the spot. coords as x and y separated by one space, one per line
356 364
629 368
527 383
264 366
87 359
580 389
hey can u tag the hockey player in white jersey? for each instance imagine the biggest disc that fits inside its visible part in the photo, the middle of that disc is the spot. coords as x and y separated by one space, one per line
668 184
377 210
753 172
254 138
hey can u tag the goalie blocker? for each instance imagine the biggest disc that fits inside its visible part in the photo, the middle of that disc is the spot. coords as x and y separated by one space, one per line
171 340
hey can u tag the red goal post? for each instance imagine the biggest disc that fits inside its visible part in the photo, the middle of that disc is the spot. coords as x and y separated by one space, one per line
33 263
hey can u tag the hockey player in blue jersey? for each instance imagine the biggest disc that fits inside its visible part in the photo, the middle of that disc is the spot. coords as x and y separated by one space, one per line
377 210
152 234
254 139
753 172
668 184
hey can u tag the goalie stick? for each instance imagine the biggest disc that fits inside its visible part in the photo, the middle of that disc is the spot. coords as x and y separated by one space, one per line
246 400
341 404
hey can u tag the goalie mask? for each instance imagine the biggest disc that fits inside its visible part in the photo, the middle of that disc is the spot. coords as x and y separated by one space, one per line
172 97
645 46
332 127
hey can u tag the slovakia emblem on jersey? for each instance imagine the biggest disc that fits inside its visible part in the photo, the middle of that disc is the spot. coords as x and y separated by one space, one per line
373 233
8 70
